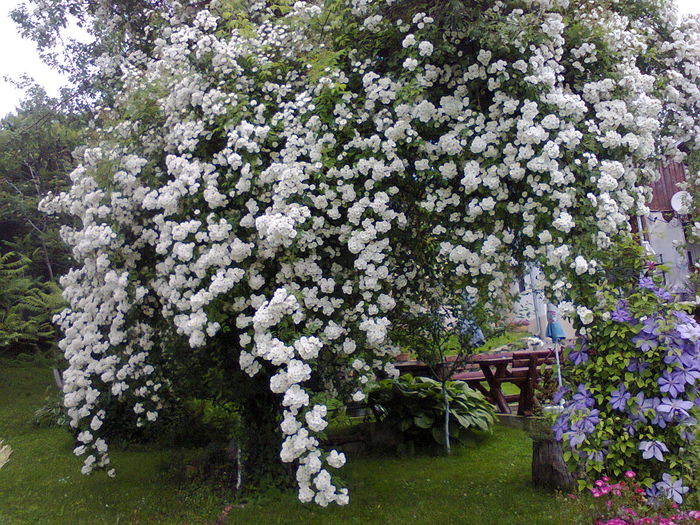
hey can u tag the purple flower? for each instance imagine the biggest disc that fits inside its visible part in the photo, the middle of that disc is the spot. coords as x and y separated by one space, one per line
683 317
582 399
652 404
688 375
597 455
559 394
675 408
653 449
672 382
663 294
560 426
687 430
647 282
673 355
621 315
636 366
644 343
689 361
587 423
652 494
671 488
631 429
689 331
650 327
619 398
578 355
575 439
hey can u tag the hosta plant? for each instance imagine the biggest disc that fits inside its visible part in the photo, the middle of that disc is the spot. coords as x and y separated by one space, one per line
414 407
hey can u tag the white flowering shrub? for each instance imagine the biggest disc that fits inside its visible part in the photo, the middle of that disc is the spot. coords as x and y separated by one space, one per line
272 187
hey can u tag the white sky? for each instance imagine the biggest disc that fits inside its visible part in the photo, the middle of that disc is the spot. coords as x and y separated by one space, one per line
19 56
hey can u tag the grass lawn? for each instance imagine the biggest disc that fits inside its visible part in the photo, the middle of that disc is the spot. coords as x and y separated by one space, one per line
41 485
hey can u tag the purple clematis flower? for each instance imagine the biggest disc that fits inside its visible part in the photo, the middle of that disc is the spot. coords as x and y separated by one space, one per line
673 355
690 331
619 398
645 405
582 399
560 393
597 455
653 494
644 343
560 426
636 366
587 423
683 317
575 439
689 361
672 382
648 283
671 488
631 428
687 430
663 294
620 314
653 449
578 355
650 327
688 375
675 408
659 419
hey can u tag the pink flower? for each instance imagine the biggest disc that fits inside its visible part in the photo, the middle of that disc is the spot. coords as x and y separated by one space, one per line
599 483
605 478
630 474
596 493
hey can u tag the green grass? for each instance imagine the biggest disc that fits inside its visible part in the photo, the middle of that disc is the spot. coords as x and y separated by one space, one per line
41 485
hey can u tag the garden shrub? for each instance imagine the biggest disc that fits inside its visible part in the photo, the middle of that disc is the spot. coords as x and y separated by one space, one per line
632 390
274 185
413 406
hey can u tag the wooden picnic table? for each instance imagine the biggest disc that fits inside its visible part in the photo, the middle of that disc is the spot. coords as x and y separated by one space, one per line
520 368
495 367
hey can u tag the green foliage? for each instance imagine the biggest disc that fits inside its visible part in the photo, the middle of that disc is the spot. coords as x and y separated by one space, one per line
26 306
414 407
51 413
36 147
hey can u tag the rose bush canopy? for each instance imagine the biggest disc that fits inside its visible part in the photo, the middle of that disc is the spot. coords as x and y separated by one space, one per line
274 183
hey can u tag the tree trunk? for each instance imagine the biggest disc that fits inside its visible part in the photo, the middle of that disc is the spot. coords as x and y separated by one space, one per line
548 467
261 439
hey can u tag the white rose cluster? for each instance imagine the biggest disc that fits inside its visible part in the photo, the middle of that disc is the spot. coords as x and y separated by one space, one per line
302 209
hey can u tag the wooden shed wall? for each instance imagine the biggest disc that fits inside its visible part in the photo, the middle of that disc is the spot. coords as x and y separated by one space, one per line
666 186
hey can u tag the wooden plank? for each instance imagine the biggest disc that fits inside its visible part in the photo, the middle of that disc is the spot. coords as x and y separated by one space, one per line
664 188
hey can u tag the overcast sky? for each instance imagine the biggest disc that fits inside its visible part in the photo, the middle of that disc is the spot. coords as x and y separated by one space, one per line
19 56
